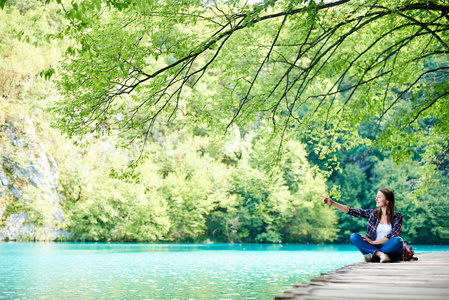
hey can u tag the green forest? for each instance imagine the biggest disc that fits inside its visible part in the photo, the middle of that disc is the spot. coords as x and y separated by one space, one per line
221 121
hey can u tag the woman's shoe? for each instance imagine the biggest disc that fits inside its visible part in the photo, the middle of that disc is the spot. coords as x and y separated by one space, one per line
384 258
368 257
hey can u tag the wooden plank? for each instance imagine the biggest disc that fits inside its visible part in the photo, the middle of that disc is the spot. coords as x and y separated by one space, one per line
427 278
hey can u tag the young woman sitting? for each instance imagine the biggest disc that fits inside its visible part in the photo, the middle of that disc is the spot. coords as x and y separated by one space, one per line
382 241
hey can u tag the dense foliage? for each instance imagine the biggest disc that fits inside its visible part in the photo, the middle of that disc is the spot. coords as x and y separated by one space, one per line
194 187
257 182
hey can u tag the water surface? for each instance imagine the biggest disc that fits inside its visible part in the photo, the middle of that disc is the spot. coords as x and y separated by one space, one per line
164 271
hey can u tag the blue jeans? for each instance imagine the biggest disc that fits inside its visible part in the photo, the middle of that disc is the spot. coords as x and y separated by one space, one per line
393 247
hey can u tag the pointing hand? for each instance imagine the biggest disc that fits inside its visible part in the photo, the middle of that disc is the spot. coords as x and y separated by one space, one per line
326 200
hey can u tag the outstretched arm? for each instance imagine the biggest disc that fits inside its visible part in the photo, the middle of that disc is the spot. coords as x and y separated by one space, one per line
341 207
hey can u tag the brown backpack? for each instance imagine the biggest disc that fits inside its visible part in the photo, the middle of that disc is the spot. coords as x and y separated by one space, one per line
407 253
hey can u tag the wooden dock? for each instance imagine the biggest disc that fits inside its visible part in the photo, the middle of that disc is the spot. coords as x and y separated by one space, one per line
427 278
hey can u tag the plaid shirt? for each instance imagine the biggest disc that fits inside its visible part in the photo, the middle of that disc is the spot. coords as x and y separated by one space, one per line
373 222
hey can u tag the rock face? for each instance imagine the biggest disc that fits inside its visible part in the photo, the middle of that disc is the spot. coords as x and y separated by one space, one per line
29 198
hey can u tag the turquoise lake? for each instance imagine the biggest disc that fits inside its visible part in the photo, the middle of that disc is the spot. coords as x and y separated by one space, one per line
164 271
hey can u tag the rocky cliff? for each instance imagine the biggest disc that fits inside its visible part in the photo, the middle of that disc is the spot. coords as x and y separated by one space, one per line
30 204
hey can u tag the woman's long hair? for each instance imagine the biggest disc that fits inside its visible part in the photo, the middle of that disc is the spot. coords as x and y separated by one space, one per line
389 195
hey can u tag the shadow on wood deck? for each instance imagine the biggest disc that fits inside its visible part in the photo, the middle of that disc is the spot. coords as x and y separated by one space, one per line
427 278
